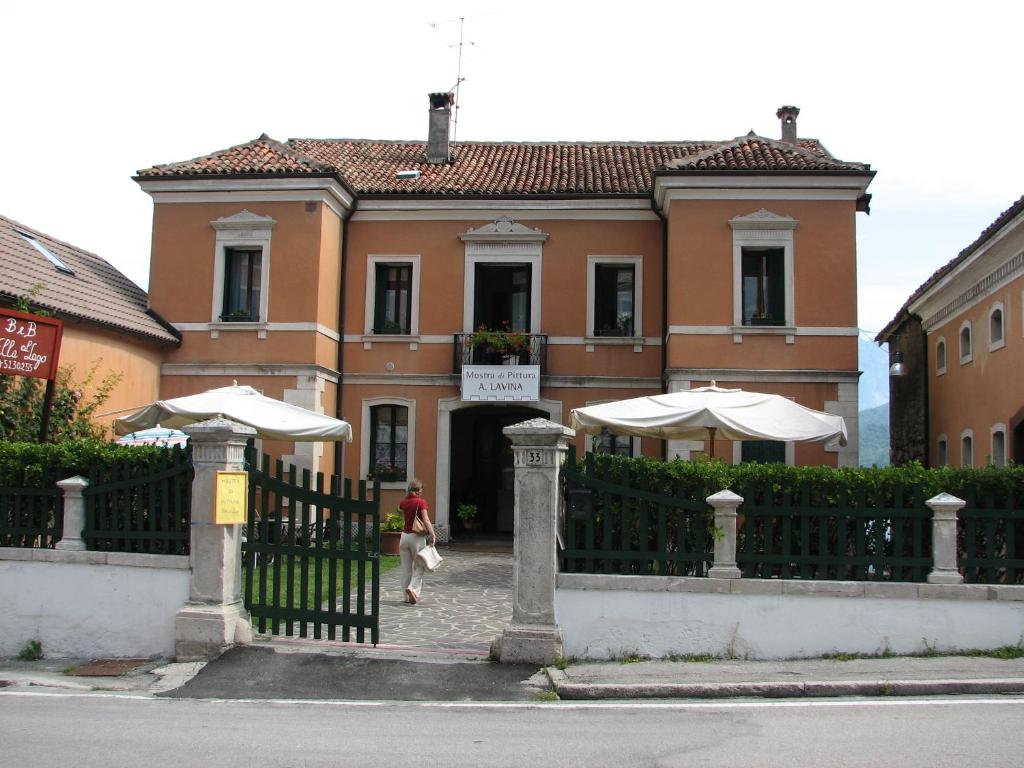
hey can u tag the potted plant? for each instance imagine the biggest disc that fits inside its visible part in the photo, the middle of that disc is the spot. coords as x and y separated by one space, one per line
503 343
387 473
467 515
391 532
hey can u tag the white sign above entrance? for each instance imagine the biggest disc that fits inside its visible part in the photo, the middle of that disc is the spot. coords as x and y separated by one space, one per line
501 383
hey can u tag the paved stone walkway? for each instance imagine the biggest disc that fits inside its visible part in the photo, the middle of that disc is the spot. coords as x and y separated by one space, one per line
465 603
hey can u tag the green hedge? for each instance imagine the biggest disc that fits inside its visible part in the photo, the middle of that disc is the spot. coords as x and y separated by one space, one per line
31 465
700 479
795 522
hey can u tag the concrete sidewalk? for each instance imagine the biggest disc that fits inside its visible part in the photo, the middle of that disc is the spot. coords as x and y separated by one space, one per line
719 679
316 671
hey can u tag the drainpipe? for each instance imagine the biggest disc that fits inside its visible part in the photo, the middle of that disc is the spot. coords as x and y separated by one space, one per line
339 447
664 307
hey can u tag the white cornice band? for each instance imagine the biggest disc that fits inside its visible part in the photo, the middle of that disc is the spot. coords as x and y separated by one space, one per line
760 330
794 376
979 291
178 190
285 327
546 382
239 370
353 338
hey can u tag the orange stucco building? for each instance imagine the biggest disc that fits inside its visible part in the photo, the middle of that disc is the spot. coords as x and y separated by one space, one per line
960 345
431 293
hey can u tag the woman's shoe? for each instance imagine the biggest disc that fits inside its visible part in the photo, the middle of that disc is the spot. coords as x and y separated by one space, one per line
411 594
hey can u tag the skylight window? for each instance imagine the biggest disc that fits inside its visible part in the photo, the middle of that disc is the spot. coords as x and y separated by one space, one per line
46 252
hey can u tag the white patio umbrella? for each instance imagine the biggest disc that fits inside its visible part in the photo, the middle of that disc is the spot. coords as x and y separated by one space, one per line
707 412
272 419
157 435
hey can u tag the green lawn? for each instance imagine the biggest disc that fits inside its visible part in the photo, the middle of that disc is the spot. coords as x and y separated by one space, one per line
387 562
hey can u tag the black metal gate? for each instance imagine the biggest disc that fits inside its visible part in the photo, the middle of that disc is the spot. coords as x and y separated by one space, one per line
310 556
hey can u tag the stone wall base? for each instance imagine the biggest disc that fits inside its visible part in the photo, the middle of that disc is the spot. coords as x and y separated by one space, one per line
528 645
203 632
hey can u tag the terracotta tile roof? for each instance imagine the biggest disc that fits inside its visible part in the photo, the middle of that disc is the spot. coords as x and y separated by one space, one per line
986 234
370 167
93 291
262 156
756 153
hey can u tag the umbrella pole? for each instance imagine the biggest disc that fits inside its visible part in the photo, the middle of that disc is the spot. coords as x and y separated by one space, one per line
711 439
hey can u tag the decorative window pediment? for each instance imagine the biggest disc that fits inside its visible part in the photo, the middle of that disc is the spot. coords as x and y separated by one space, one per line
244 219
762 219
506 229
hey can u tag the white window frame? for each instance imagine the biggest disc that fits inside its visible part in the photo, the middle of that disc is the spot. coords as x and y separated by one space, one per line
242 230
994 344
588 441
942 451
413 337
940 343
763 229
637 262
998 459
967 434
969 356
364 439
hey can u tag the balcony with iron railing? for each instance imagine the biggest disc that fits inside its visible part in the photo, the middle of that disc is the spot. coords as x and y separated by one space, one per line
499 348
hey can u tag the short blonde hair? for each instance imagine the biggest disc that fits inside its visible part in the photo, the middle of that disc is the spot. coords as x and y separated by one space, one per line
415 485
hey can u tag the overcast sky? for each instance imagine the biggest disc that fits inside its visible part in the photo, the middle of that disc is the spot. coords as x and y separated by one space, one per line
927 93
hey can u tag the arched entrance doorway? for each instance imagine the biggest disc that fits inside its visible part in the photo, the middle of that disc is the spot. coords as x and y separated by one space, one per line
482 471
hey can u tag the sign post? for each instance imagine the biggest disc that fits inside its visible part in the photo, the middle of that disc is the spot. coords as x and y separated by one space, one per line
30 346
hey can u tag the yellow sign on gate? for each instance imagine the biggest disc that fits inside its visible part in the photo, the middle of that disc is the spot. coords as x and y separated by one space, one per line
231 501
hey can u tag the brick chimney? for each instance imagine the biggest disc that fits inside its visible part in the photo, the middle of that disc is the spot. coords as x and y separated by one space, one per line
439 131
788 117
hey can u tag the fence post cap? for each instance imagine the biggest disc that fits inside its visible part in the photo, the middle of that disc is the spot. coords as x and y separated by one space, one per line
725 498
945 500
71 483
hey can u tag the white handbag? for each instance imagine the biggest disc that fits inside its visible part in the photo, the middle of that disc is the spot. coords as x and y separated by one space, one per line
429 558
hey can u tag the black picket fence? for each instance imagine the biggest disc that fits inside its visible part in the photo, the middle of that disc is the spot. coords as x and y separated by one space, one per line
637 516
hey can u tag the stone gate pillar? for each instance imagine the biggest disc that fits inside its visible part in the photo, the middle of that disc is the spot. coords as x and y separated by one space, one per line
539 447
214 618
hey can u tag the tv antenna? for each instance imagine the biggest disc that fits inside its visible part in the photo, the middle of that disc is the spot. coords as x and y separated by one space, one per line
459 79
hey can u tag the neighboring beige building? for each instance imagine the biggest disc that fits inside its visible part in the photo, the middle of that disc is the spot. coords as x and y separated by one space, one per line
352 276
960 400
107 323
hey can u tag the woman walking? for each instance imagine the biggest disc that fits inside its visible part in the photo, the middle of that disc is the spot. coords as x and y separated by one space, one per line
413 506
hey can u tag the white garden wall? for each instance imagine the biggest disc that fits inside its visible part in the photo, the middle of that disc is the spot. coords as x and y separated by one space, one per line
90 604
612 616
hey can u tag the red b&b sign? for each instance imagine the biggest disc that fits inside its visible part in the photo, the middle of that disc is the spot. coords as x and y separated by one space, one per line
29 344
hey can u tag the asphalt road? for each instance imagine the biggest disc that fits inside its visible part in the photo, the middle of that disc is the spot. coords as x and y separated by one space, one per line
38 730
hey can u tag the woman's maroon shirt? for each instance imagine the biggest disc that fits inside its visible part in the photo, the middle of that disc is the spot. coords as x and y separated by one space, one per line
410 505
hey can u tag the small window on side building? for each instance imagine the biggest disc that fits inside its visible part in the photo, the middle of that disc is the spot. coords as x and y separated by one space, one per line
966 353
967 450
940 357
242 283
996 329
999 447
764 287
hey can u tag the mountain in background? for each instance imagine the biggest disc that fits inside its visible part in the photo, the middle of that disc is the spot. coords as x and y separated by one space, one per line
874 382
874 402
874 436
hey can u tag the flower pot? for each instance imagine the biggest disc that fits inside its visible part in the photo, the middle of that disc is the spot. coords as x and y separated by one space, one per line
389 541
